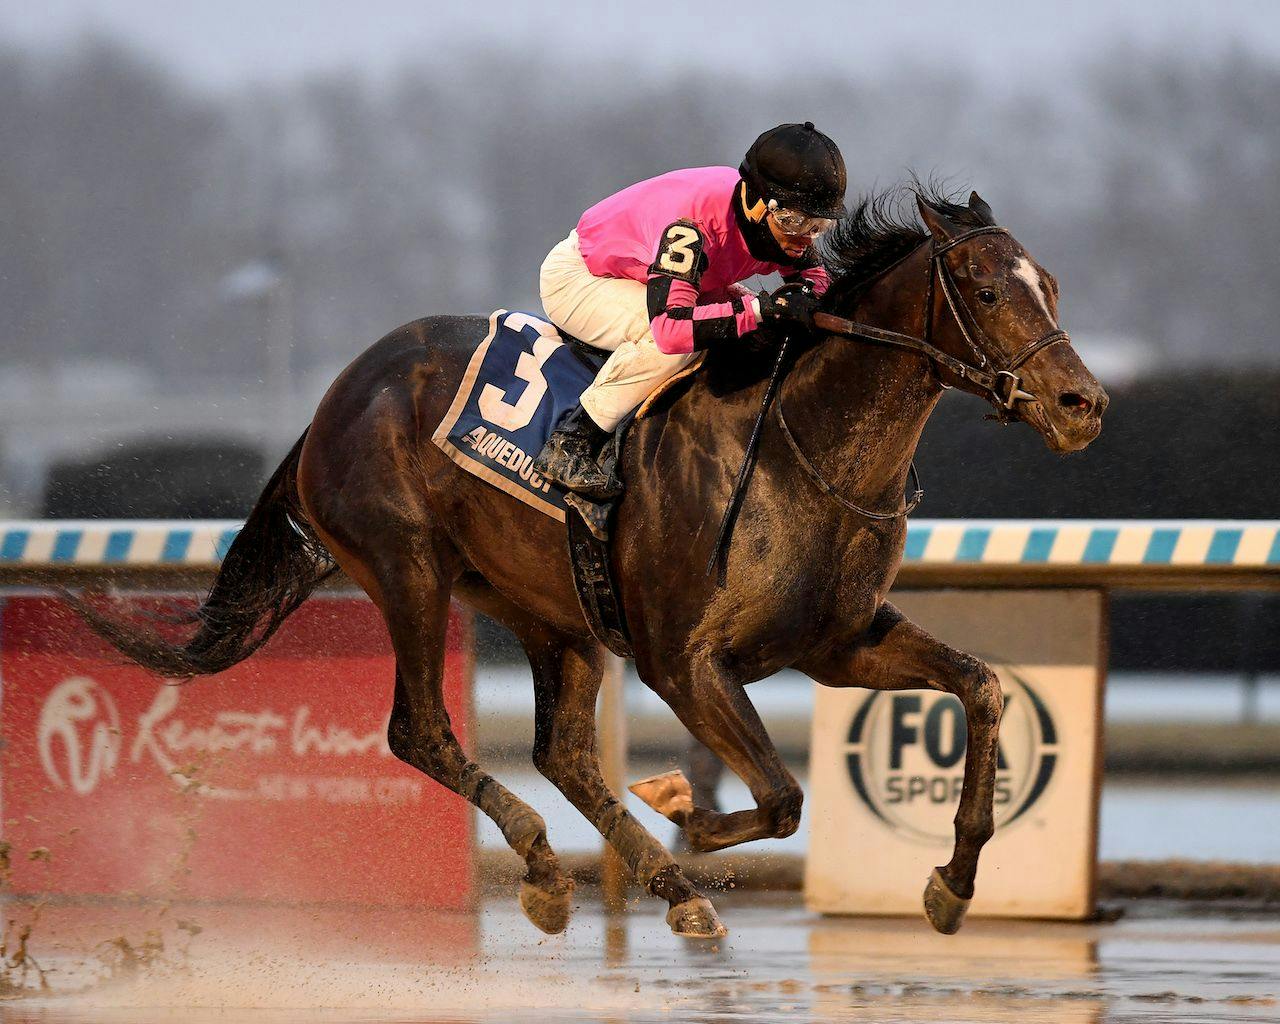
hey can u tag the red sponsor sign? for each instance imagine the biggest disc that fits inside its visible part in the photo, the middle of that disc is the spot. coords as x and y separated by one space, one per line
269 781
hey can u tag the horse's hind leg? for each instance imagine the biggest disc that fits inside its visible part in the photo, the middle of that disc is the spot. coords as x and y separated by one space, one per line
412 586
420 734
567 677
367 487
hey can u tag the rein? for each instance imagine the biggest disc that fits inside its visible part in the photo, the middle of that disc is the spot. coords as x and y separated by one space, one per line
825 487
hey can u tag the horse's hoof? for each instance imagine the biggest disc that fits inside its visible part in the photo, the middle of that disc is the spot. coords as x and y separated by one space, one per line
696 919
548 908
669 794
944 909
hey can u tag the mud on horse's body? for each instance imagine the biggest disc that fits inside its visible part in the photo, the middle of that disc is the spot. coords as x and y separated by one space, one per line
366 487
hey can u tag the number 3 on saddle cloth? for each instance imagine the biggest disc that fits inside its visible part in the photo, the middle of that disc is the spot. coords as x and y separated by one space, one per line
523 377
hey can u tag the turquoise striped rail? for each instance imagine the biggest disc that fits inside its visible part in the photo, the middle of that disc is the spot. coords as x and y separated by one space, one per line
1116 543
1029 545
54 543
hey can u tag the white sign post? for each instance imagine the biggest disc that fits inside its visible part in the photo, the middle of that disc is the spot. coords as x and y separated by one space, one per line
886 766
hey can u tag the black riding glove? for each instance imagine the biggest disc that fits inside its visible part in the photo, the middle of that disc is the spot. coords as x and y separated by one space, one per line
792 303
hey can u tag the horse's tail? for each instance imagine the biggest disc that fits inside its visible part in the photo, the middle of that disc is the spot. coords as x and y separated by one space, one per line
272 566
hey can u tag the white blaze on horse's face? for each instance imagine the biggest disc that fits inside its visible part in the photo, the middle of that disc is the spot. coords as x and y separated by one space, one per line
1025 270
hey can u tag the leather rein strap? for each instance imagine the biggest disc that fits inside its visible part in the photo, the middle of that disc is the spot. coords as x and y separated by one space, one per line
826 488
1003 387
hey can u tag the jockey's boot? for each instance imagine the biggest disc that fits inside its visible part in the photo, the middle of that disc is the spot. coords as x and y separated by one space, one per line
571 458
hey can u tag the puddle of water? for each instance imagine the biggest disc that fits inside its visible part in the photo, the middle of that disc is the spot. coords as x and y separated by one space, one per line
779 964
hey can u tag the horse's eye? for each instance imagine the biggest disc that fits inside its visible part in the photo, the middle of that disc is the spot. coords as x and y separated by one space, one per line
987 296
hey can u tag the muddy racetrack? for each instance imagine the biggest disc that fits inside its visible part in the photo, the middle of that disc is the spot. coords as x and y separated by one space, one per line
114 962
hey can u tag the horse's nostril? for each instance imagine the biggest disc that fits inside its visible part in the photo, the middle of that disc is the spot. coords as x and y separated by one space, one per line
1075 402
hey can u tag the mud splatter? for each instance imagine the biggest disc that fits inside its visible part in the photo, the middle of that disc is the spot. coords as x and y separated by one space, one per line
125 960
18 968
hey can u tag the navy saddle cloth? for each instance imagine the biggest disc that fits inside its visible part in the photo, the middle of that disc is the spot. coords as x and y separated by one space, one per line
522 379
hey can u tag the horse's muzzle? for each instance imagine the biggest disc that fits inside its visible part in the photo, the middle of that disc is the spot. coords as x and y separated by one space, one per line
1074 420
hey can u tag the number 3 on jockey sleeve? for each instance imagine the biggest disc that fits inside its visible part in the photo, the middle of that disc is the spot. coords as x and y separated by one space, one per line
680 253
516 415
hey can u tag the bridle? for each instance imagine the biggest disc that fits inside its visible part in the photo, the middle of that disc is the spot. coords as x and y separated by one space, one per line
1000 385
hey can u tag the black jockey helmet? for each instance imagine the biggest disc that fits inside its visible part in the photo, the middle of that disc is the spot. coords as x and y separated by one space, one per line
799 168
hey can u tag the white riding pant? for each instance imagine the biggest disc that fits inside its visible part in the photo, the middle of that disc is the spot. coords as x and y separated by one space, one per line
609 313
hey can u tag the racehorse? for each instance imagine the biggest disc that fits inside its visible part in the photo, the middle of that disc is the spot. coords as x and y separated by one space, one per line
818 543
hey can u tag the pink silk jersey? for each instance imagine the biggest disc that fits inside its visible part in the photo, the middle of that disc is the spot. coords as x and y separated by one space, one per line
679 235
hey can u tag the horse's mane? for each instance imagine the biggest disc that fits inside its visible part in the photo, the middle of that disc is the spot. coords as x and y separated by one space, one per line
880 230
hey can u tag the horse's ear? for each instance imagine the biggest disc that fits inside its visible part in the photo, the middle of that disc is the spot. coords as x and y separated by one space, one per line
980 208
942 227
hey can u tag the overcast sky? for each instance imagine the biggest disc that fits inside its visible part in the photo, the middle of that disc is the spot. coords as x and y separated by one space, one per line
222 43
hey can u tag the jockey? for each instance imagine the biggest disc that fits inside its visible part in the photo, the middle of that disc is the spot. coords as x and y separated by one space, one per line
652 274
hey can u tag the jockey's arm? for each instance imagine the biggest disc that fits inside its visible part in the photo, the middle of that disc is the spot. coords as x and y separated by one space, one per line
679 322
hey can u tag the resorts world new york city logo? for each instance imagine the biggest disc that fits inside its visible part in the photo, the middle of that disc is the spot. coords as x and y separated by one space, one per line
905 757
82 739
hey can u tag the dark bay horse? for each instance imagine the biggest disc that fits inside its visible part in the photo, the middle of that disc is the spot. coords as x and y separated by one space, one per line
806 576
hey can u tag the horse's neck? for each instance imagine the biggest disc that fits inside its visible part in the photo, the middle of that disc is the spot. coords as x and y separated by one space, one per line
858 408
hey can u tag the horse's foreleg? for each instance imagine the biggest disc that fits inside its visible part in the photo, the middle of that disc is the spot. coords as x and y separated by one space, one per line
718 712
566 681
895 654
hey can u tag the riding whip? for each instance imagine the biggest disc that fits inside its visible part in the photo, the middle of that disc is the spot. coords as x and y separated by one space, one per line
720 552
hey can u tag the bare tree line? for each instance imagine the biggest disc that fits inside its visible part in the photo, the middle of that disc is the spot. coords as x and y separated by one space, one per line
1149 184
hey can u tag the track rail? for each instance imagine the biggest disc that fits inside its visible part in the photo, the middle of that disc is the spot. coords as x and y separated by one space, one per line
1133 554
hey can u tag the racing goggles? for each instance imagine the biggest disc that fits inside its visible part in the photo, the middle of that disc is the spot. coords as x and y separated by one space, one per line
794 222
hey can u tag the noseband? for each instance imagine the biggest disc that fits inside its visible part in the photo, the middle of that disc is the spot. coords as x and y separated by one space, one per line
1000 384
